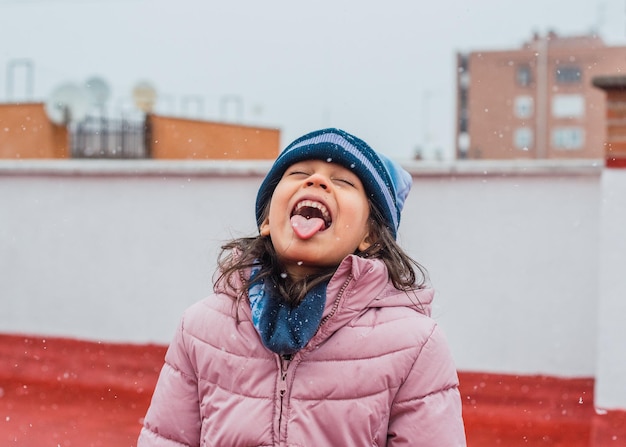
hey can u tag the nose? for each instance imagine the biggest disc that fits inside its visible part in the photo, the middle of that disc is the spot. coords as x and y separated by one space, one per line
318 180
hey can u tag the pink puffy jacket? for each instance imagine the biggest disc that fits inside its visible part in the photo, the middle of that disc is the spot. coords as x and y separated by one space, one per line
378 372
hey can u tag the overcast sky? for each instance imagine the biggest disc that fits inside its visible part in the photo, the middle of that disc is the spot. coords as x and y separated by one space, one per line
384 71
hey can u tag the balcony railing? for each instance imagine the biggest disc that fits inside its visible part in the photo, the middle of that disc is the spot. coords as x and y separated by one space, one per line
97 137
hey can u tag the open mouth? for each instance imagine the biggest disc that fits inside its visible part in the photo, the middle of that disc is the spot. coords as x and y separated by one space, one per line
310 209
308 218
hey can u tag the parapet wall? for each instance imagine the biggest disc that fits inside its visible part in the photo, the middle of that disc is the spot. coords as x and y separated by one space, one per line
115 250
27 132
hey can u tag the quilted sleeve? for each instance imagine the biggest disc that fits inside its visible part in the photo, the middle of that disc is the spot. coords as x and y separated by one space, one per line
173 418
427 407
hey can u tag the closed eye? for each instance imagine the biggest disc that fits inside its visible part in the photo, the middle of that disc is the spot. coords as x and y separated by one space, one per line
344 181
297 173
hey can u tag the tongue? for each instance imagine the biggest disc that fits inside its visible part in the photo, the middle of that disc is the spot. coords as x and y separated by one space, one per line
304 227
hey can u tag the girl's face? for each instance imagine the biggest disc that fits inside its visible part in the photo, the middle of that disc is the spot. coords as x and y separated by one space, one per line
318 215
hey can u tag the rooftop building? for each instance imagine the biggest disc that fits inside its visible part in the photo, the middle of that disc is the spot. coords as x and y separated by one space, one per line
535 102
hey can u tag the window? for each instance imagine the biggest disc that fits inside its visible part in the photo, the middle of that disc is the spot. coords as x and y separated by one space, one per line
568 75
568 106
463 121
523 76
523 106
523 138
568 138
463 144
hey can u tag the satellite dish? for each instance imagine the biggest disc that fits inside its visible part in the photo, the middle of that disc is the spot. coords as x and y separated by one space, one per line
144 95
98 90
67 103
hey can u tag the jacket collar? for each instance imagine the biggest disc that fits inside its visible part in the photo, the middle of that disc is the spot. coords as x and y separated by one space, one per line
360 284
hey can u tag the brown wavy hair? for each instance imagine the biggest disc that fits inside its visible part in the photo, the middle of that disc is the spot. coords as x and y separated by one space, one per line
239 255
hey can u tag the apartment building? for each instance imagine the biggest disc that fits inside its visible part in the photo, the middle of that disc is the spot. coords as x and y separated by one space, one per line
535 102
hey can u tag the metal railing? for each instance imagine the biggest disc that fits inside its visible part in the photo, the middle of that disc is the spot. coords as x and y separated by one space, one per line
97 137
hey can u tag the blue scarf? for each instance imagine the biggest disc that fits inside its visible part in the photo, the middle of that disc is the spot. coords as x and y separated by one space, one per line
285 329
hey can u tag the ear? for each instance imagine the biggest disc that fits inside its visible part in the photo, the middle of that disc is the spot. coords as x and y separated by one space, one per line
264 229
365 243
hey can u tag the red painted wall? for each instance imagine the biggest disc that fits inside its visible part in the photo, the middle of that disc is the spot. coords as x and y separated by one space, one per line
26 132
72 392
176 138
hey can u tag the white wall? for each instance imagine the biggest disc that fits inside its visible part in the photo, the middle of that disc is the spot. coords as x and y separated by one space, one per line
116 250
105 254
610 391
514 262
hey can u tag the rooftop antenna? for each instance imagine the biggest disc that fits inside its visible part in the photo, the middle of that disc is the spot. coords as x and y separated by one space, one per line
99 92
600 16
234 99
144 96
12 65
68 103
192 99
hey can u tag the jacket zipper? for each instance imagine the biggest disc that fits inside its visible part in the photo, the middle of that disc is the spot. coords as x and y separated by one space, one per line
284 360
336 303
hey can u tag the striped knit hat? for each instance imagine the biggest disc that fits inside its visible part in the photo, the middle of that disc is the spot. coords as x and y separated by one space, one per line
386 183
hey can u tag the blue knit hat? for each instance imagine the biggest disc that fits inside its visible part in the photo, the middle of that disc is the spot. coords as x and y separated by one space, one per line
386 183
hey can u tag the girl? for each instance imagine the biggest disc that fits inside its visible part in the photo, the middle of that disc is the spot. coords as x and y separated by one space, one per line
318 333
